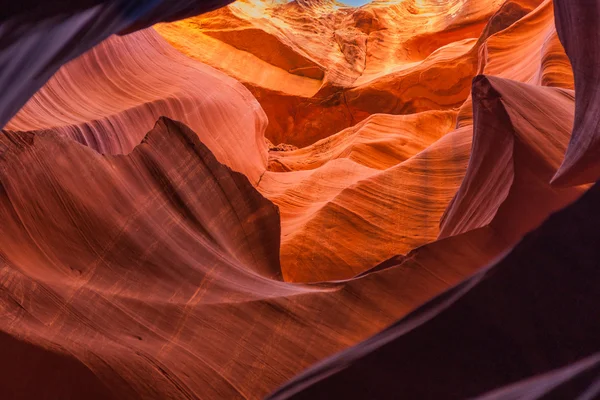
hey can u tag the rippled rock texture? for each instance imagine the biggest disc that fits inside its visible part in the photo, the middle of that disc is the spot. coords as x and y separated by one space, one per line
383 179
299 199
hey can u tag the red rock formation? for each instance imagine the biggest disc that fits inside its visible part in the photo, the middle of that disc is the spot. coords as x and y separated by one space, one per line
532 312
327 191
529 313
516 150
153 270
37 37
578 24
319 67
343 216
201 259
110 97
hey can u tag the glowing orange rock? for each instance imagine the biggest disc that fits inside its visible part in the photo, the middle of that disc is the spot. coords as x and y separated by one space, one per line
319 67
385 181
516 151
110 97
154 274
196 259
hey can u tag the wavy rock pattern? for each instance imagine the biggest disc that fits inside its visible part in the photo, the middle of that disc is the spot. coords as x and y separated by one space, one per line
486 332
337 206
320 67
120 88
125 266
206 255
326 191
574 25
516 150
499 326
37 37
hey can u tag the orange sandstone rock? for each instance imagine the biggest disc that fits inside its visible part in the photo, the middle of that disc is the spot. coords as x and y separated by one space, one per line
110 97
320 67
154 274
355 170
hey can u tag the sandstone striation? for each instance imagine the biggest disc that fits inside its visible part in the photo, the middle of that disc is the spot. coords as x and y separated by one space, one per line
497 327
109 98
415 90
334 201
156 274
320 67
38 37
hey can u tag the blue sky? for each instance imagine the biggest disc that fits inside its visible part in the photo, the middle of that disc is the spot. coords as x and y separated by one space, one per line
355 2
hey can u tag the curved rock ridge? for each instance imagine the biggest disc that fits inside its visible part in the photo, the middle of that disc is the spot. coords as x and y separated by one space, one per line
497 330
111 96
578 380
421 66
526 51
317 68
155 244
37 37
343 216
434 189
497 327
329 192
519 138
577 23
154 275
159 181
380 142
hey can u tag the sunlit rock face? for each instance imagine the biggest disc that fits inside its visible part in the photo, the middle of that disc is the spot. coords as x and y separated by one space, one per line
385 133
392 197
318 67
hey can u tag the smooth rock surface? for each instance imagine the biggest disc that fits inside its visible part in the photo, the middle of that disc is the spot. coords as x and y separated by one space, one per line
294 182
